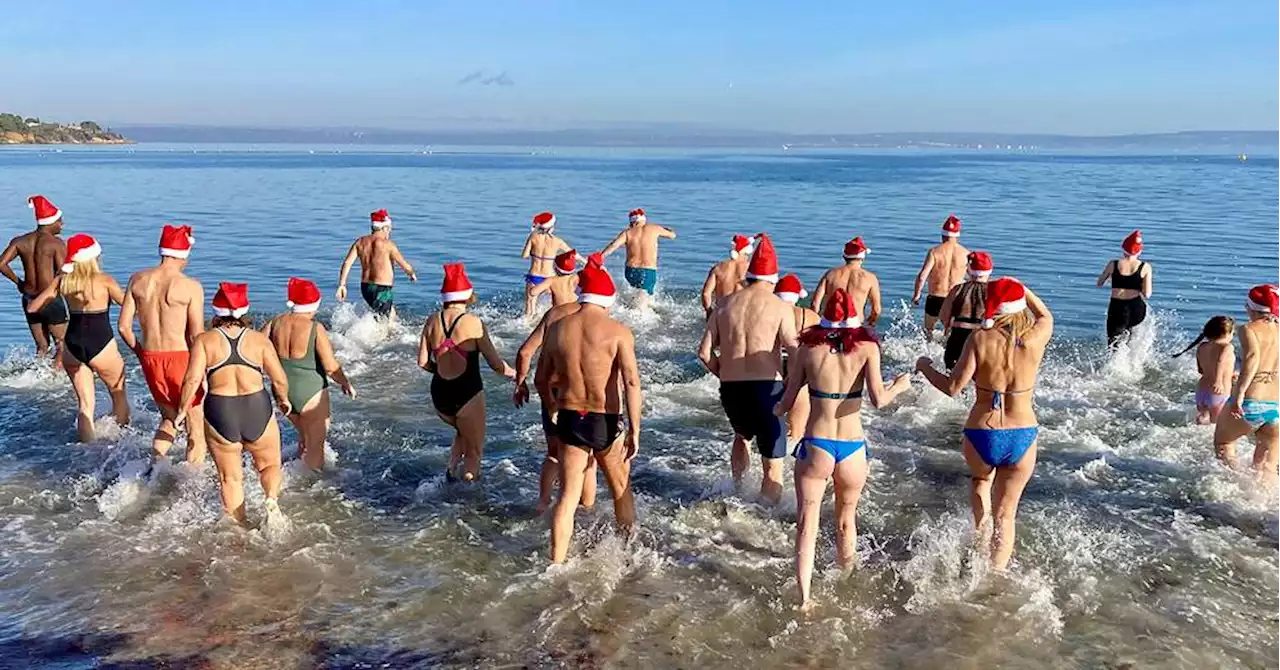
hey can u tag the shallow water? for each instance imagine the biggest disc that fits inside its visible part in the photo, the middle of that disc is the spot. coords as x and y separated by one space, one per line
1134 548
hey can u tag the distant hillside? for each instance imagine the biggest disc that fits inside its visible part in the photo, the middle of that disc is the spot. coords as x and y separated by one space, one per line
14 129
675 135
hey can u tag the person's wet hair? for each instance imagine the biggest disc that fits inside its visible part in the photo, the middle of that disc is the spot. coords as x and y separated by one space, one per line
1216 328
242 321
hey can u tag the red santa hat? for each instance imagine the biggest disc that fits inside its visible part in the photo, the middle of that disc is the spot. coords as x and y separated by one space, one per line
1132 244
595 286
1263 298
304 296
980 265
46 213
80 248
379 220
1005 295
840 312
741 245
456 286
764 261
636 215
176 241
544 221
951 227
231 300
567 262
790 289
856 249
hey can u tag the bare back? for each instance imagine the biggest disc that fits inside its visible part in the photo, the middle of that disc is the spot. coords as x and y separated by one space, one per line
1262 341
41 254
642 245
466 332
97 296
542 249
375 252
1216 363
728 276
583 350
750 329
169 305
948 264
236 380
861 284
992 351
290 334
564 290
835 372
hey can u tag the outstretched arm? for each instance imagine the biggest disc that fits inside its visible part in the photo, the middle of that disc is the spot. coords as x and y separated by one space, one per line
631 382
42 298
6 259
1106 273
706 349
876 391
524 356
666 233
346 270
955 382
398 259
491 355
920 277
124 324
617 242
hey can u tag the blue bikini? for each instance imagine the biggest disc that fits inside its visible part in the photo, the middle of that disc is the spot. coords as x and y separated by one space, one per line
1001 447
839 449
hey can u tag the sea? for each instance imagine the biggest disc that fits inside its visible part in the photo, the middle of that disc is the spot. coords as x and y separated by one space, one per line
1135 549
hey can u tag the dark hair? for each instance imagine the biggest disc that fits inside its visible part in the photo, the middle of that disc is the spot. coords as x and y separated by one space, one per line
1218 326
242 321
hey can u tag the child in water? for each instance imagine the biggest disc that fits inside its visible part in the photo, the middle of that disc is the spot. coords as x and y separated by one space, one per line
1216 362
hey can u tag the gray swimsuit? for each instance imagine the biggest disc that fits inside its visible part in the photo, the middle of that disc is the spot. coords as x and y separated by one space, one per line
237 418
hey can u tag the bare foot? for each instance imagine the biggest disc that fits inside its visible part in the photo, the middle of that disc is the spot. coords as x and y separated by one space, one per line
807 606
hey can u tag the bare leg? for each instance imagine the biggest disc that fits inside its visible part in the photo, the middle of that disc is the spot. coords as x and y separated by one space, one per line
1266 454
166 433
1010 483
550 474
197 445
313 428
456 448
82 382
41 338
1204 416
226 458
851 476
739 460
57 334
811 484
471 431
266 460
109 367
771 479
1225 434
980 477
530 301
617 475
573 466
589 484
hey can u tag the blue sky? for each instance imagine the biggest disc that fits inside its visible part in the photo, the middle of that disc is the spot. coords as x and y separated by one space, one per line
857 66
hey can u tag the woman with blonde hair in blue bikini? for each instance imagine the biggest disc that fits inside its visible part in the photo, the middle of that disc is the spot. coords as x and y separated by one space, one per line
837 359
541 248
1001 432
1254 406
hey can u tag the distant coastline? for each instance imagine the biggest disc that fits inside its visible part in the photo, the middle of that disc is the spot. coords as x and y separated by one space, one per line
15 129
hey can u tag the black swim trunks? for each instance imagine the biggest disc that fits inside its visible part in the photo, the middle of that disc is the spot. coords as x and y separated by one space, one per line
54 312
933 304
379 297
749 406
955 346
592 430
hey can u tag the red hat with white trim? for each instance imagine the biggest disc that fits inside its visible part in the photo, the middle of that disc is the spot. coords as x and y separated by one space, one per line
1005 295
46 213
636 215
951 227
176 241
567 262
1263 298
80 249
304 296
1132 244
545 221
841 311
594 283
790 289
764 261
741 245
456 287
379 219
231 300
980 265
856 249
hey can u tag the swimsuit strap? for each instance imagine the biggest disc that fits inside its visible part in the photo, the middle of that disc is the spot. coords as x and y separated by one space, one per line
995 395
233 353
448 344
851 395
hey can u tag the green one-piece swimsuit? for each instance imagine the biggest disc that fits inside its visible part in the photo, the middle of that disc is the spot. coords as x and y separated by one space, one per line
306 375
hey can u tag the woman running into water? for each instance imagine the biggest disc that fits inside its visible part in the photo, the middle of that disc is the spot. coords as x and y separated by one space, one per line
1130 289
450 349
306 355
1216 362
837 359
1000 435
1254 406
232 358
541 248
790 290
90 343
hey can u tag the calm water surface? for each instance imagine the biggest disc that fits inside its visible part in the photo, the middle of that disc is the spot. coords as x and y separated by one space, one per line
1134 548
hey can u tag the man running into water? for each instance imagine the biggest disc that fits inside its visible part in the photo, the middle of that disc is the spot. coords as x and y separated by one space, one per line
742 346
861 284
564 286
726 276
590 362
376 252
170 306
944 267
641 238
42 253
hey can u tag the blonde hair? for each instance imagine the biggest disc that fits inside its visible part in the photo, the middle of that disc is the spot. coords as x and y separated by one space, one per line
1014 326
79 282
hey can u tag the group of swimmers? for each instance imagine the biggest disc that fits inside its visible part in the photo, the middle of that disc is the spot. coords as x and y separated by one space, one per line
792 378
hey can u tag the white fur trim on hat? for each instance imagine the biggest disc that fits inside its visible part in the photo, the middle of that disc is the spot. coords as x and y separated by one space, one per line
947 233
1012 307
233 313
790 298
596 299
1255 307
858 256
175 253
302 309
852 322
983 274
86 254
772 279
456 296
49 220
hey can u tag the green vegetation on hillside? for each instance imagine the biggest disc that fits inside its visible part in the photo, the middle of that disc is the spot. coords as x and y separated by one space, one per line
14 129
